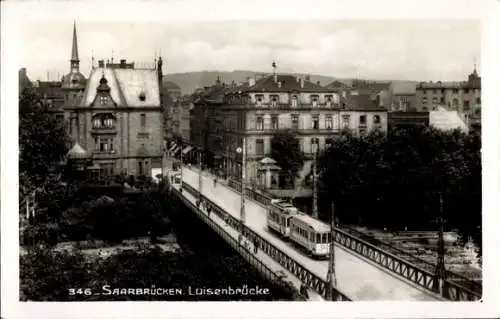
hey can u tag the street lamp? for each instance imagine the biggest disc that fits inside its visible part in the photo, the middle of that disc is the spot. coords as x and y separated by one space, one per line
242 151
200 181
440 266
315 181
330 276
181 164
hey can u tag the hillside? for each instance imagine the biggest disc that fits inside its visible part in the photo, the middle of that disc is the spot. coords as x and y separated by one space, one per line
190 81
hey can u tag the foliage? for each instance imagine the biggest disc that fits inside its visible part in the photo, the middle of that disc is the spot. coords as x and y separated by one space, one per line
210 263
46 275
395 180
285 150
43 141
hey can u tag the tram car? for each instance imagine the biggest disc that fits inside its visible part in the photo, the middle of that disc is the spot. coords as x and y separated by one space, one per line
279 215
312 234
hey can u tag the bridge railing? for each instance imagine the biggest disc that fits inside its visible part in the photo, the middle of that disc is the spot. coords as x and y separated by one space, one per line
267 272
451 276
425 278
301 272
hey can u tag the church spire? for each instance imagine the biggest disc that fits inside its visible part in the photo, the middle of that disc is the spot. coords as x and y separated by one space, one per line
75 61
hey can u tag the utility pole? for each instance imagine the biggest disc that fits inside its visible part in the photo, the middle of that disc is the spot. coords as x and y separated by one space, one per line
200 181
330 277
440 267
315 183
181 165
243 177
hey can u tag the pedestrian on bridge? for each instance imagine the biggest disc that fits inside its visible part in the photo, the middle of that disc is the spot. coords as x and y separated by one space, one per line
255 245
215 181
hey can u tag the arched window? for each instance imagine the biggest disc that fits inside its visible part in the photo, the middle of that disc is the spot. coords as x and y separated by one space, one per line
103 121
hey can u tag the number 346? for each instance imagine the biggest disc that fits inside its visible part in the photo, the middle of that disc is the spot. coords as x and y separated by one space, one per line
79 291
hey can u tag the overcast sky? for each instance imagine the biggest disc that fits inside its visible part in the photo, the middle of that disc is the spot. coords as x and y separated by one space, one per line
406 50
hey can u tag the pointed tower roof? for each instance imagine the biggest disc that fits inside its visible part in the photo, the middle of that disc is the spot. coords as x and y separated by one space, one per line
77 152
74 49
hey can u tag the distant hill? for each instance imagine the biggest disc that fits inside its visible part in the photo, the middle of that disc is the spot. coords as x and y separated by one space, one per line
190 81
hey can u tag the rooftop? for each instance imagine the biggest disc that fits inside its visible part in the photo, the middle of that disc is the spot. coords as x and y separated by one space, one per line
363 101
316 224
127 86
284 83
169 85
403 88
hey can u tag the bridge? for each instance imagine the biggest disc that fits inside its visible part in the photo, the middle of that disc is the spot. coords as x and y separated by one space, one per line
363 271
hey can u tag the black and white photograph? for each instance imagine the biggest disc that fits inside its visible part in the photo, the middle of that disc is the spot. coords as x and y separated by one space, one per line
170 159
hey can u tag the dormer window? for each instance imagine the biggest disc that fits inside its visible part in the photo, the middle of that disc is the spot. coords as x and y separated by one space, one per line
142 96
104 100
259 98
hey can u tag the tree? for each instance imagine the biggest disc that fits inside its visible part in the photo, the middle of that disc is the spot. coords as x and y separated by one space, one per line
43 141
285 150
396 180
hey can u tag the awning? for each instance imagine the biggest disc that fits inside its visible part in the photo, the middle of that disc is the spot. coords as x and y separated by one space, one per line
187 149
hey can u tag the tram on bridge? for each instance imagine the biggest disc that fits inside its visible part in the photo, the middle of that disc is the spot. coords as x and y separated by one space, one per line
312 234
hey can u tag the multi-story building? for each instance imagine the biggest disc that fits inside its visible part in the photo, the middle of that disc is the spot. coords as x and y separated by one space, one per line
363 114
52 95
260 108
403 97
177 119
117 118
464 96
173 90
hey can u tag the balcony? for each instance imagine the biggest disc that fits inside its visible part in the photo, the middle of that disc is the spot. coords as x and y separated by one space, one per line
301 129
97 154
299 106
103 130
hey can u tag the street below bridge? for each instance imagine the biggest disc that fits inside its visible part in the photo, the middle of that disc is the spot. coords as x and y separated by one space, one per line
358 278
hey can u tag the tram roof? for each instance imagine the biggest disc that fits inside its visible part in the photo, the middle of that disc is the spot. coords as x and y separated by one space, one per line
317 225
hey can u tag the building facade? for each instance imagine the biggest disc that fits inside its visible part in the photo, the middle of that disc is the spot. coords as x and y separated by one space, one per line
224 114
116 115
403 97
173 90
464 96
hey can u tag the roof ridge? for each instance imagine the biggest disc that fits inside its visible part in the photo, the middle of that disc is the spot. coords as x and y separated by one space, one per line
120 91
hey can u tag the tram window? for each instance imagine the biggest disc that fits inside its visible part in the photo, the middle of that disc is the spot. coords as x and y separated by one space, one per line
329 237
324 238
318 240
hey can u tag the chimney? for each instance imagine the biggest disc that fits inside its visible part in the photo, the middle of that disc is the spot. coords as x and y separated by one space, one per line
100 63
318 82
251 81
308 78
123 62
301 83
275 74
279 84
